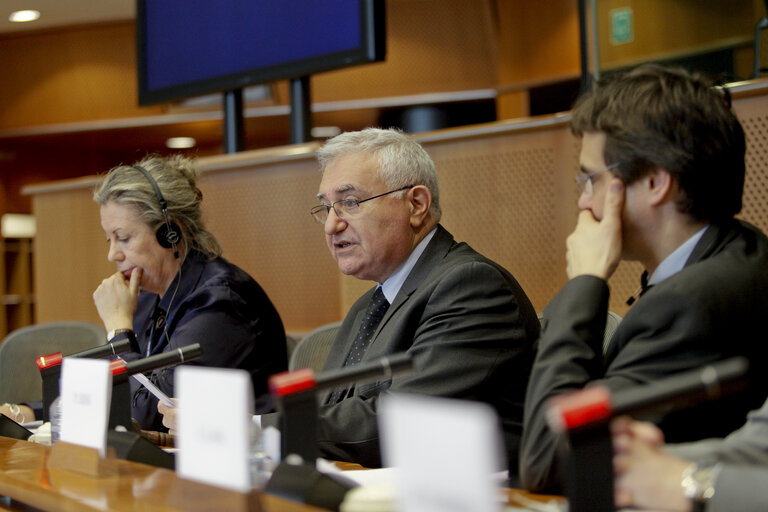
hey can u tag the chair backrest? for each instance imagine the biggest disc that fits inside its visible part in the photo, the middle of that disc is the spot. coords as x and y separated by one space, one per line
313 349
19 377
290 344
612 322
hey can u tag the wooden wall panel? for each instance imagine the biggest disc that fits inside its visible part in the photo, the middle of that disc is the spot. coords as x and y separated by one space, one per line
537 42
261 218
753 113
432 46
506 194
70 257
664 29
69 75
533 48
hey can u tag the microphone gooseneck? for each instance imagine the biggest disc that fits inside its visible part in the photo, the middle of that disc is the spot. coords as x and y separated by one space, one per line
109 349
595 405
121 372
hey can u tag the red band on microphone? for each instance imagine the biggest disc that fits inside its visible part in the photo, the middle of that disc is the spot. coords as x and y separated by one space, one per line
579 408
288 383
117 366
48 361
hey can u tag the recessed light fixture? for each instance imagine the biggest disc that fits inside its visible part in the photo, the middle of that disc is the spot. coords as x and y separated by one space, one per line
180 142
325 132
24 16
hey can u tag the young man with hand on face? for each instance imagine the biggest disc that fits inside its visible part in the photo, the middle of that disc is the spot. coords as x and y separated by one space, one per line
662 163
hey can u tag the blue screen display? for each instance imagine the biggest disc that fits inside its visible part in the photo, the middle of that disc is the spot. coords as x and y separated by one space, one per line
184 42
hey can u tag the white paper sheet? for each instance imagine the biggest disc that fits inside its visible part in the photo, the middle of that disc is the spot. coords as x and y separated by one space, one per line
144 381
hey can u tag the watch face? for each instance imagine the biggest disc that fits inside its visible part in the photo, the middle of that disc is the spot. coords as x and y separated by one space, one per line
699 482
118 334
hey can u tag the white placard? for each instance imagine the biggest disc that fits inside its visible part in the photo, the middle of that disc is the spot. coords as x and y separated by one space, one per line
86 392
446 452
213 422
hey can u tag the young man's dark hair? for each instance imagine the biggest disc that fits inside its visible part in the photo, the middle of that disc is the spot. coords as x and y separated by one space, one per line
656 116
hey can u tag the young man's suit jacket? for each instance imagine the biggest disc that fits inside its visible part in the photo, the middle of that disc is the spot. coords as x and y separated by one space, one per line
714 308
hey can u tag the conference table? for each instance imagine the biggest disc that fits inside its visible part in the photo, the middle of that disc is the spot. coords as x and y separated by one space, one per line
29 482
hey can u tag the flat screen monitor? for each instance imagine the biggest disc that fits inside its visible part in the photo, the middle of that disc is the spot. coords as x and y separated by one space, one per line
194 47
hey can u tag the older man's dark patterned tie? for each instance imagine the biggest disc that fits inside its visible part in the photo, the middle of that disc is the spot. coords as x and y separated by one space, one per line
373 315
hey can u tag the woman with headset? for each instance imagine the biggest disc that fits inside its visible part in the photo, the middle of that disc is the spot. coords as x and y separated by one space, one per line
172 286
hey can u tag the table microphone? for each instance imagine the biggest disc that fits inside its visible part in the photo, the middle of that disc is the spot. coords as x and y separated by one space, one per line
120 406
287 383
295 393
295 396
50 368
583 417
122 370
595 405
108 349
383 367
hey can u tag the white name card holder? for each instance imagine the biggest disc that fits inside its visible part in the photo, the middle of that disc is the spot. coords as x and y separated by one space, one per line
86 391
214 431
445 451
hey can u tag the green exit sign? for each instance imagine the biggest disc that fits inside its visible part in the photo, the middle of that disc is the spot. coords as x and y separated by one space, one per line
622 26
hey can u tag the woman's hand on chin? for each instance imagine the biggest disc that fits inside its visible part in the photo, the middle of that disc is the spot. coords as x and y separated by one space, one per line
115 299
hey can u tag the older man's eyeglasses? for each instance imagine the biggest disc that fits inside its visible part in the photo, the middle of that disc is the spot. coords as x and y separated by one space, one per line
584 181
344 207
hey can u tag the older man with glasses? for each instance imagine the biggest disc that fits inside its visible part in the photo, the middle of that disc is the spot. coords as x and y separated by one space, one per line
464 319
662 162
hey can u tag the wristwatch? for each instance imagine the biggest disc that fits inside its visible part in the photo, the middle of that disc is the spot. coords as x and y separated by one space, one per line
114 333
699 484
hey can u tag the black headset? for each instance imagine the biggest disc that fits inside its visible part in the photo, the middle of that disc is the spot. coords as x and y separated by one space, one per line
169 233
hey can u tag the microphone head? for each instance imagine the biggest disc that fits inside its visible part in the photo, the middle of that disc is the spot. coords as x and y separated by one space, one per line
290 382
191 351
579 408
163 359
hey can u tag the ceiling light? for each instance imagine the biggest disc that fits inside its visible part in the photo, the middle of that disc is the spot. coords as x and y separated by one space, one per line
180 142
23 16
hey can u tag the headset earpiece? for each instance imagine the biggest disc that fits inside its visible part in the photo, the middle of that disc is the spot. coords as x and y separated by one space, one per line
168 236
169 233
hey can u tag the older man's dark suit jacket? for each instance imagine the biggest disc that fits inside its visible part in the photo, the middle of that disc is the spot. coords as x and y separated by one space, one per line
714 308
469 328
